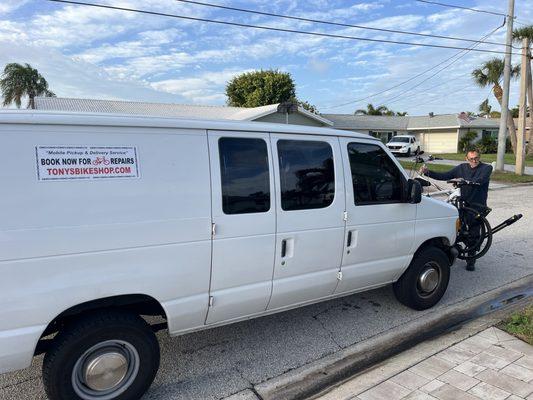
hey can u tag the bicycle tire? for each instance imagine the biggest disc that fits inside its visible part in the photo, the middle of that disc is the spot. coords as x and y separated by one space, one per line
485 238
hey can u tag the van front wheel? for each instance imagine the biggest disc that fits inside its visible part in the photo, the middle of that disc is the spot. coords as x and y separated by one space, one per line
423 284
109 355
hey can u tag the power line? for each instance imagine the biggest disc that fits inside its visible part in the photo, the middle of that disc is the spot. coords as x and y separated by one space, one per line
318 21
462 7
417 75
328 35
456 90
397 98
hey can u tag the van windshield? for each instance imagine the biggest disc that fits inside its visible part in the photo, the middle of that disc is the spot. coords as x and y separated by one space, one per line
399 139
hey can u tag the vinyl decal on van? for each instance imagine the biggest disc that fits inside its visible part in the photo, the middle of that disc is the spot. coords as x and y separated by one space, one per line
86 162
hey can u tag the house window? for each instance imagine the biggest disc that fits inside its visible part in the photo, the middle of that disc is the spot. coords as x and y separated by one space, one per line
489 133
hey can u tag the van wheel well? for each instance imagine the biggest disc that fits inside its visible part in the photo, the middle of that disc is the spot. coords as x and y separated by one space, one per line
439 242
139 304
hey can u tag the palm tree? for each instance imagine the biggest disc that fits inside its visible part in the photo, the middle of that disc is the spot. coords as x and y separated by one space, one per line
22 80
370 110
485 108
523 33
518 35
490 73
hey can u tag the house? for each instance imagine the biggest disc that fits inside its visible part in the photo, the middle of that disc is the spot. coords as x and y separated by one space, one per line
435 133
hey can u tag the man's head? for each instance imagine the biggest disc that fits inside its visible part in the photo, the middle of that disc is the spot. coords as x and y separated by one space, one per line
473 158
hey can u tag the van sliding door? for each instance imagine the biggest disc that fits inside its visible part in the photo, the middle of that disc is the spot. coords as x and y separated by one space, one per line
244 218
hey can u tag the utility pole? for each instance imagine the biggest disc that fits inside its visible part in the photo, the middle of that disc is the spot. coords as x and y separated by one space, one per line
502 134
521 136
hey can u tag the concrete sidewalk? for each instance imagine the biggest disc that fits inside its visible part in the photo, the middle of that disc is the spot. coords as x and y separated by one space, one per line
491 365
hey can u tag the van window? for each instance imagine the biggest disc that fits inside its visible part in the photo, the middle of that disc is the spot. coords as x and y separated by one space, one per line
244 174
307 174
376 179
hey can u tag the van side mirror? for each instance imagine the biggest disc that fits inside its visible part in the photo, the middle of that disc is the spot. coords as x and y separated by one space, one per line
414 191
423 182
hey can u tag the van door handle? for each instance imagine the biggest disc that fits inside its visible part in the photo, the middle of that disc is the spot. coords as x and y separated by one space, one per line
349 243
283 248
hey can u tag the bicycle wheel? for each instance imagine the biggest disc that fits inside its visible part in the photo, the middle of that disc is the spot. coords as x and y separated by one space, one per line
475 236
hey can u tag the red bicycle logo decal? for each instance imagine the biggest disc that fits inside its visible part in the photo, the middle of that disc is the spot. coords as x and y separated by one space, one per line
101 160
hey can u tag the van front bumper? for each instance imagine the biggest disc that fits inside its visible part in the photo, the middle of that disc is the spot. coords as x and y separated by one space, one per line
17 347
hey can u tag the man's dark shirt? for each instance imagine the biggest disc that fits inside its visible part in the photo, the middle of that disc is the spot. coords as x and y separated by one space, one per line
480 174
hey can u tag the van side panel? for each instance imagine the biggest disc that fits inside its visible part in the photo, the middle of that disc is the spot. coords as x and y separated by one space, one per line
66 242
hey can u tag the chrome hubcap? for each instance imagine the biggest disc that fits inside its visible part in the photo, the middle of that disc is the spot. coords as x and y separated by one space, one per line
429 279
106 370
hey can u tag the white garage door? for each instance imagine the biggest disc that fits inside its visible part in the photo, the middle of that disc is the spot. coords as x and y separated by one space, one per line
440 142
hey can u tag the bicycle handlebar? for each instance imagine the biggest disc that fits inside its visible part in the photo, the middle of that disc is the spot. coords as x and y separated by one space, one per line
457 182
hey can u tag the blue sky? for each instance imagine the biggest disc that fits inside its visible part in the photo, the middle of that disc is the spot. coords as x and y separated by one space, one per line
105 54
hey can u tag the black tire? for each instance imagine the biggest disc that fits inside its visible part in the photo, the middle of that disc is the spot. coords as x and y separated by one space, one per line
72 348
418 150
482 245
408 152
426 263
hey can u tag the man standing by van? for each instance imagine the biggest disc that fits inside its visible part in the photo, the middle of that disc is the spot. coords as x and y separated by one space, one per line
475 171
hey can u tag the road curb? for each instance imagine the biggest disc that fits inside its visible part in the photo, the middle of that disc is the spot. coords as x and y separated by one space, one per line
308 380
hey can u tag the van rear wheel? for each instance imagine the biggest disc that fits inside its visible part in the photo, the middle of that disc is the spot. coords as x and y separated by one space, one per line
425 281
104 356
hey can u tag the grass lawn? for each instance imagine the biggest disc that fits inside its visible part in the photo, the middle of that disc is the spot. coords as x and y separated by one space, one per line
497 176
520 324
487 158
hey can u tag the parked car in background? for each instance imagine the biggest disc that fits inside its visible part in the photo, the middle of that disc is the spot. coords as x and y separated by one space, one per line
404 144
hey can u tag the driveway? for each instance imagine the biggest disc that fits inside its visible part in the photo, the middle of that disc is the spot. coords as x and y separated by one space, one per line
219 362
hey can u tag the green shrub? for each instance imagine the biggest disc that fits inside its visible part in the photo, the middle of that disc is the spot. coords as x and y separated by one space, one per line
466 141
487 145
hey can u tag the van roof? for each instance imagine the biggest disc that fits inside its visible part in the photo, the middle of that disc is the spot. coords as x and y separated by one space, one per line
106 119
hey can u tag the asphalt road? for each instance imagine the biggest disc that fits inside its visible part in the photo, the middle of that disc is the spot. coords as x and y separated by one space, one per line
219 362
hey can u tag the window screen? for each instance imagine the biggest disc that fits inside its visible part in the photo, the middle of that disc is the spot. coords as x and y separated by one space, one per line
244 175
375 177
307 174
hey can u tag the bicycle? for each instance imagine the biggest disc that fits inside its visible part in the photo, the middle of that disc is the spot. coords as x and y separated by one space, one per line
474 235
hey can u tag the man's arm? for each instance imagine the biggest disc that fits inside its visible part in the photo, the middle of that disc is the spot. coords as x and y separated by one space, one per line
444 176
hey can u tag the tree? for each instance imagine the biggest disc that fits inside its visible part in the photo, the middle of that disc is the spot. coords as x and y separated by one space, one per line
22 80
491 73
523 33
260 88
518 35
371 110
308 106
485 108
381 110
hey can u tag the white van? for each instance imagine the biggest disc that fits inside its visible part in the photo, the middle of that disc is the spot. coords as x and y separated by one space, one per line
104 218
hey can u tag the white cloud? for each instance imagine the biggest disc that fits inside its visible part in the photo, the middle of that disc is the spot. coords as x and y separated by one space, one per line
202 89
8 6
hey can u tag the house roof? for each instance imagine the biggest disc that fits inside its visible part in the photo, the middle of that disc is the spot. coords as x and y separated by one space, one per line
127 120
367 122
382 122
338 121
163 109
